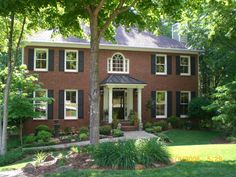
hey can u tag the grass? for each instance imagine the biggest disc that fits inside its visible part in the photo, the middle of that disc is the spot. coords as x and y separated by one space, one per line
191 137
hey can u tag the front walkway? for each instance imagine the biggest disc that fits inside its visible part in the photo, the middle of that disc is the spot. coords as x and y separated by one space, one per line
127 135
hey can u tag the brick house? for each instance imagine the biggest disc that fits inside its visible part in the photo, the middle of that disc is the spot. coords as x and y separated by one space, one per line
140 68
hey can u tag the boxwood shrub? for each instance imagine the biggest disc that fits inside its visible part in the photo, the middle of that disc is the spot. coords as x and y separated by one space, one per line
42 128
105 130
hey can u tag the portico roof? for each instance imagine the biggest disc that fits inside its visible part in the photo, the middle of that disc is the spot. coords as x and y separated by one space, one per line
122 79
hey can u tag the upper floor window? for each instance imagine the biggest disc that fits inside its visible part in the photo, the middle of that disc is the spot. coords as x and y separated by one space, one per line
118 64
71 104
40 106
161 64
185 97
71 60
161 104
41 60
184 65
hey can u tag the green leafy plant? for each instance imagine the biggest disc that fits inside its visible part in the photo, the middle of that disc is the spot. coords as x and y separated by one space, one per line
161 123
150 130
29 139
42 128
148 125
115 120
133 117
105 130
75 150
40 157
117 133
11 157
157 129
84 130
68 130
176 122
44 136
83 136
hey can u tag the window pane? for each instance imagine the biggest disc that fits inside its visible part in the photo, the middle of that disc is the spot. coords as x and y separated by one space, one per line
184 61
71 65
184 98
160 97
71 56
160 60
183 109
71 104
41 54
40 106
160 109
41 64
184 69
160 68
118 63
160 103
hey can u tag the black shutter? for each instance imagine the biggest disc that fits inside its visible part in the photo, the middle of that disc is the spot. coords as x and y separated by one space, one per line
178 104
153 64
81 61
177 65
193 66
169 64
51 60
193 95
169 103
61 104
31 59
50 105
153 104
61 60
80 103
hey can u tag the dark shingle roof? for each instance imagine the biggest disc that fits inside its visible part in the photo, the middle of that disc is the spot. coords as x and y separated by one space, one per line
133 38
121 79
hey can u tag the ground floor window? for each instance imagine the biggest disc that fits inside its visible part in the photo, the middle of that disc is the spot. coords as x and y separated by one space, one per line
161 104
185 97
71 104
40 106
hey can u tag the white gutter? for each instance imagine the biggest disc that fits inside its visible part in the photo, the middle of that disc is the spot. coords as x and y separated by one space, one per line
109 47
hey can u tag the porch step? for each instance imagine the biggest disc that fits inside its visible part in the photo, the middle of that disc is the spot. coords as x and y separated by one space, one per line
126 123
129 128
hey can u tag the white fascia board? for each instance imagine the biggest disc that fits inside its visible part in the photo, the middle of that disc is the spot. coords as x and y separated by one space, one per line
124 85
109 47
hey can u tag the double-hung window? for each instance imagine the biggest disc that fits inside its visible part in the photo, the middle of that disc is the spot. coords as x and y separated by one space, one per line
185 65
161 64
118 64
71 60
41 107
161 104
71 104
41 59
185 97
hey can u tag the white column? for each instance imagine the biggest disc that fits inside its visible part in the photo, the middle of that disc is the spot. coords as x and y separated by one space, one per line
129 100
110 105
105 99
140 107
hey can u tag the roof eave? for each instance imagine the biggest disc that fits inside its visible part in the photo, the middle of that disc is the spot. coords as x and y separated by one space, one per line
110 47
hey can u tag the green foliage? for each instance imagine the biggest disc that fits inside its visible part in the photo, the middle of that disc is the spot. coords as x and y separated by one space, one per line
40 157
44 136
196 108
115 120
83 136
231 139
150 151
157 129
11 157
176 122
84 130
75 150
150 130
29 139
161 123
164 138
147 125
105 130
68 130
133 117
117 133
42 128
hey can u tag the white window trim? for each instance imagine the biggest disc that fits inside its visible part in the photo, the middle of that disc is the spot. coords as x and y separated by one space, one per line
70 118
165 115
165 72
77 55
111 64
46 116
189 66
40 69
189 99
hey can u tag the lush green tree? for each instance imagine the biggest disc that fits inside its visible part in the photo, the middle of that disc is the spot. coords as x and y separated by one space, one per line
103 17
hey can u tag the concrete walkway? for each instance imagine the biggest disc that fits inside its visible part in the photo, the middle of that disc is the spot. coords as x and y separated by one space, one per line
127 136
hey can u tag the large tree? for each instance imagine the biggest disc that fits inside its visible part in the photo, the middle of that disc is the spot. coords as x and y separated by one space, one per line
103 17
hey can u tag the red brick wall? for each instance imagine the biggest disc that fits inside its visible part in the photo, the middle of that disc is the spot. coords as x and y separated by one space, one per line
140 68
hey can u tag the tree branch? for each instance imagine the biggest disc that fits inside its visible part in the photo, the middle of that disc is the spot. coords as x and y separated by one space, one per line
99 7
120 8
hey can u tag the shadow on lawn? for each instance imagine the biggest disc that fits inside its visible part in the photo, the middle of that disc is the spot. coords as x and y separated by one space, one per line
180 169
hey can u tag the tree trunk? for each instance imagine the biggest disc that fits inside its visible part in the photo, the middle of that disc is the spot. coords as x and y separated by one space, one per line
0 125
21 133
3 147
94 82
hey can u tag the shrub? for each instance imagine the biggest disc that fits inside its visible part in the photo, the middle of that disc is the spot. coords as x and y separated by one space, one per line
84 130
231 139
133 117
164 138
40 157
147 125
176 122
29 139
68 130
150 151
105 130
11 157
116 155
157 129
115 120
83 136
149 130
42 128
161 123
44 136
117 133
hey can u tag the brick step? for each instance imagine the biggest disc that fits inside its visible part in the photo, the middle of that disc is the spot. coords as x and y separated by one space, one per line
129 128
126 123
